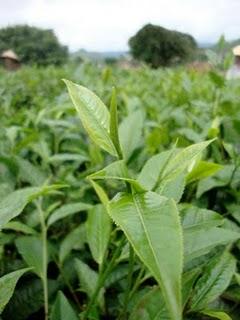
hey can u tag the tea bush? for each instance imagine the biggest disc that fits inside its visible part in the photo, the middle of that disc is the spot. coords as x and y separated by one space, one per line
122 203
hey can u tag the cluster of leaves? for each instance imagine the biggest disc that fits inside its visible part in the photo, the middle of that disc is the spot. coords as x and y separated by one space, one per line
33 45
107 221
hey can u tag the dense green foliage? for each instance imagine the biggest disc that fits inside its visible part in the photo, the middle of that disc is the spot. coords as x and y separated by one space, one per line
158 46
33 45
130 213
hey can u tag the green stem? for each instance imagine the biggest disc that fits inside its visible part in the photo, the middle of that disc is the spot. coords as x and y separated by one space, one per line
123 314
70 287
103 277
44 257
137 282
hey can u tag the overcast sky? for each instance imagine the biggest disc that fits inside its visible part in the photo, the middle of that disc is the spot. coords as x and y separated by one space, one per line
106 25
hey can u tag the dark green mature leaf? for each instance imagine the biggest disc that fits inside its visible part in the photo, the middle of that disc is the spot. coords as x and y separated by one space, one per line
214 281
93 114
152 226
130 132
189 278
200 241
220 179
31 249
150 307
194 218
62 310
28 298
88 279
120 272
98 232
13 204
7 286
67 210
73 240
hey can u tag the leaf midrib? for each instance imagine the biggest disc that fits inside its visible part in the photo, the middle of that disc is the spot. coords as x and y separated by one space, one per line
138 209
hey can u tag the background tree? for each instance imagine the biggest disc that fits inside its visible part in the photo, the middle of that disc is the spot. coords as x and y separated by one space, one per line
158 46
33 45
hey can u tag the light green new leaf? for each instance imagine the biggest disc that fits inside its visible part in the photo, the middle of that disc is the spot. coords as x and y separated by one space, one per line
168 165
74 240
202 170
31 249
214 281
98 231
150 307
93 114
184 158
200 241
13 204
7 285
130 132
114 123
153 169
216 314
151 224
67 210
100 192
88 279
62 310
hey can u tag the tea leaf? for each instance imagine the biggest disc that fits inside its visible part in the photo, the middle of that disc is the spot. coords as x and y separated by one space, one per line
98 232
67 210
88 280
93 114
152 226
31 249
7 286
62 309
214 281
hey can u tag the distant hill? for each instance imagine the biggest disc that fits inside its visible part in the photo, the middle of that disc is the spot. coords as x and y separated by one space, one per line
205 45
98 56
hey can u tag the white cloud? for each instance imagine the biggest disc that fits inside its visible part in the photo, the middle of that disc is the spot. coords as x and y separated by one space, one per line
108 24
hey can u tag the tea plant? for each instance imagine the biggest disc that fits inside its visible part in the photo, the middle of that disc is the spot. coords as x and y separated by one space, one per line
146 228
